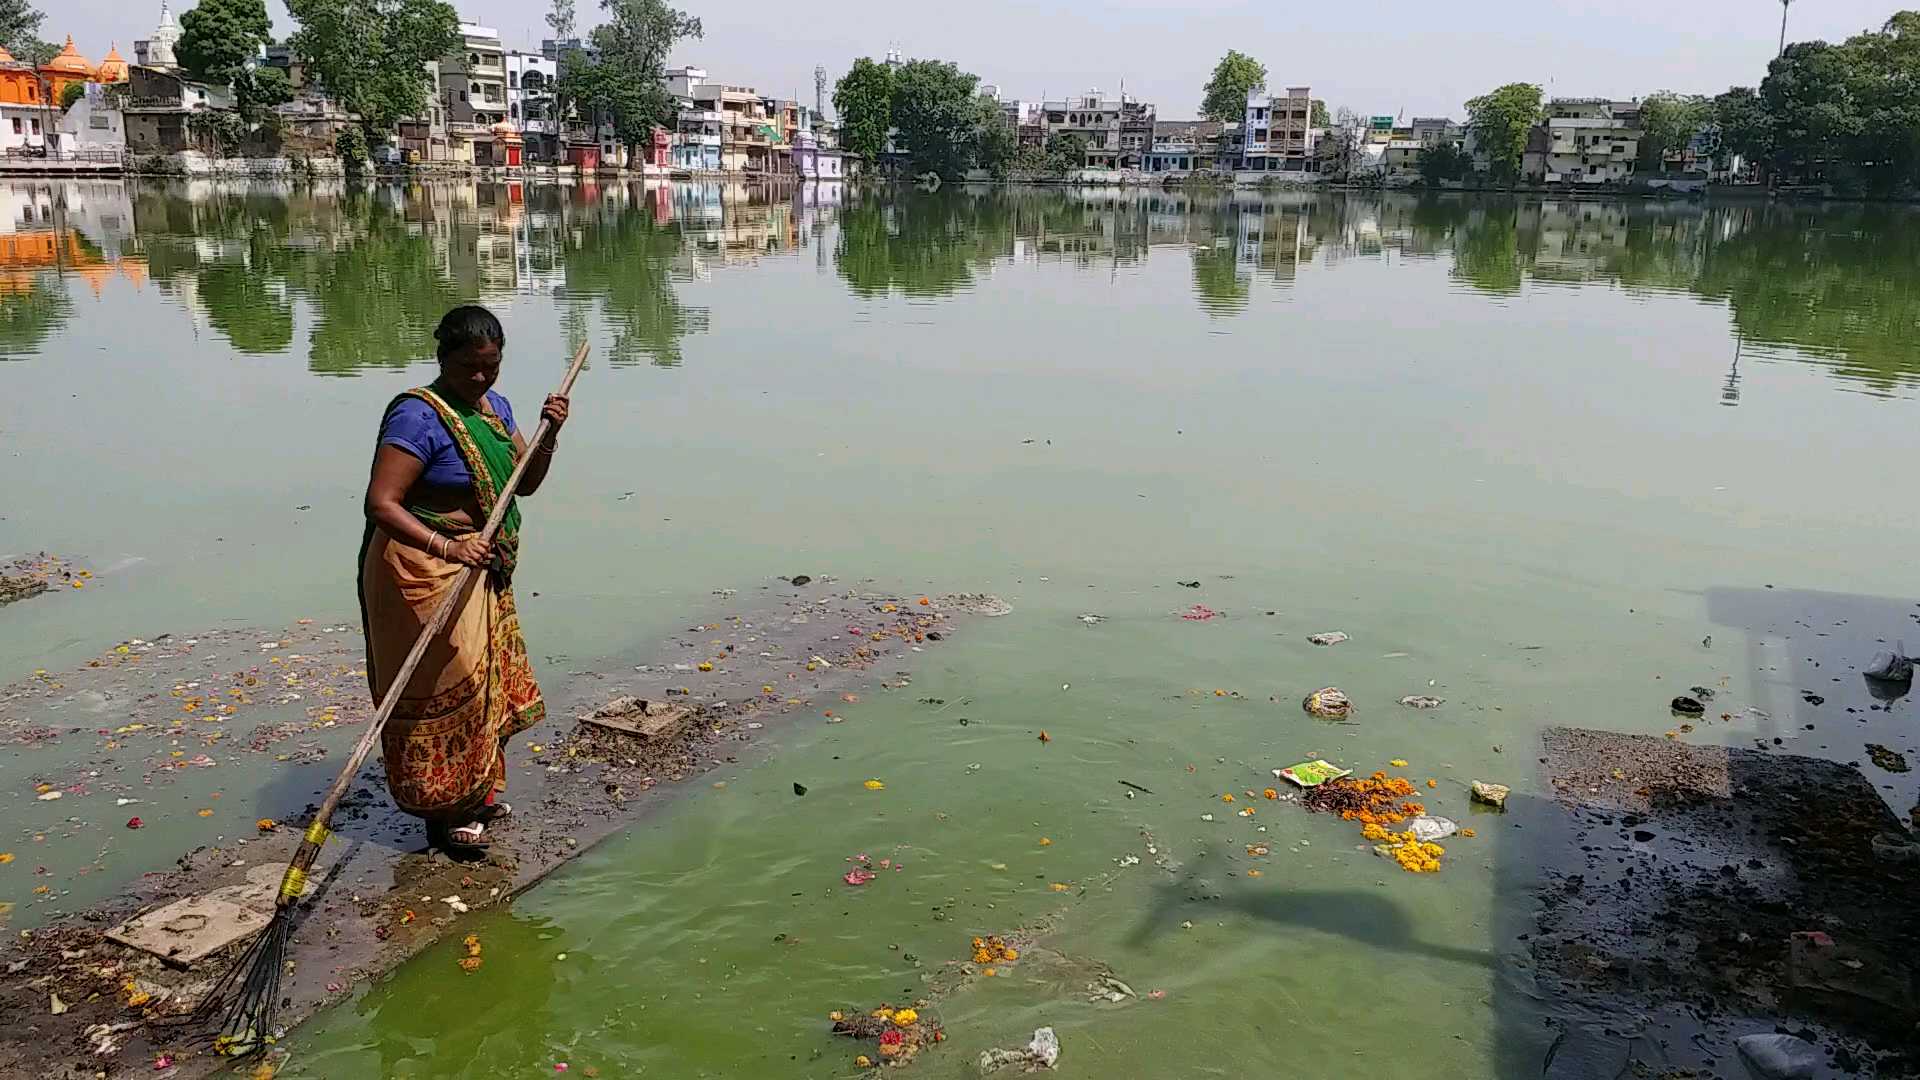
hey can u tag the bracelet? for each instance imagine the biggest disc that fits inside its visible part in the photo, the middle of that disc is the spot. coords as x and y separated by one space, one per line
445 545
550 446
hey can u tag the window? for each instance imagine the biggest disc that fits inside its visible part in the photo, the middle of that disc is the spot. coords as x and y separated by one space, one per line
473 59
16 125
513 80
36 127
33 92
463 96
473 87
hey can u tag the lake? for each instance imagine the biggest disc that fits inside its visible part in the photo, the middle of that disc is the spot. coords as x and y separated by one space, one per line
1553 462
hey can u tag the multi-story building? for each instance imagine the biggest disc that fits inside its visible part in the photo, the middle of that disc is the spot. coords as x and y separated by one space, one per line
531 78
1276 133
1118 131
1183 146
747 132
1433 131
1591 141
473 90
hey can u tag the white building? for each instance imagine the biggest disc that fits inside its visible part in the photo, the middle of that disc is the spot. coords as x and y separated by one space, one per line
531 78
94 126
157 51
1591 141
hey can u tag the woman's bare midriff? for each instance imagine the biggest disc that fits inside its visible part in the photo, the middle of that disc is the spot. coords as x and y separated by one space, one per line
456 504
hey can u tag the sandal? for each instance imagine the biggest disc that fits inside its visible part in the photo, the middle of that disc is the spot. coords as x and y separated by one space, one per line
494 811
467 841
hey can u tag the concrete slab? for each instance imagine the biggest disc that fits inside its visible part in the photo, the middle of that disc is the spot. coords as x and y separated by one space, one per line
647 719
188 931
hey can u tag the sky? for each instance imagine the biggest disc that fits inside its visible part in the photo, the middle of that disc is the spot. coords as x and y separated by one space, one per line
1401 57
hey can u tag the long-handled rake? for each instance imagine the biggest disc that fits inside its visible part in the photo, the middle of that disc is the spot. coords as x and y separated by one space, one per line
238 1011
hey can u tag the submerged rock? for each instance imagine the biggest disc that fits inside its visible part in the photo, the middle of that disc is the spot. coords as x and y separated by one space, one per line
1422 701
1687 706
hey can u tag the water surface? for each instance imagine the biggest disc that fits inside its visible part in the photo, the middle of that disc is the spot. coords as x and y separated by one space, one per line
1529 454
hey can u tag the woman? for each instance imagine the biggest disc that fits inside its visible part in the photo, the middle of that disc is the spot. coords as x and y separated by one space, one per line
445 451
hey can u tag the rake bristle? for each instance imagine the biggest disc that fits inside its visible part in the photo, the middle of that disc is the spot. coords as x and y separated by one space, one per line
237 1012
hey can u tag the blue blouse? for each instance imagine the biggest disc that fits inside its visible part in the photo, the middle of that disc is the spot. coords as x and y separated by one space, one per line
413 426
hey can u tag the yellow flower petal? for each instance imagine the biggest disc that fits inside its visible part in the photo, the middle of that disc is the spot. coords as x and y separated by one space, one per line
876 785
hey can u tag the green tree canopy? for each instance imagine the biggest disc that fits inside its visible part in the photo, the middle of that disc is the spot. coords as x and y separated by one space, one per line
562 19
219 37
935 113
1849 113
995 142
369 54
1320 118
864 99
1501 120
1746 128
625 77
1066 153
1444 161
1234 77
1667 122
20 32
71 93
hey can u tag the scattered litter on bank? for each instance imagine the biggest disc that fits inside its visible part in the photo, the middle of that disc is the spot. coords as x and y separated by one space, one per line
898 1035
1310 774
1042 1052
1328 703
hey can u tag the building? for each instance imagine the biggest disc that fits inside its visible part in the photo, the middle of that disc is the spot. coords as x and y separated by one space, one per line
473 91
157 51
1184 146
1432 131
1591 141
811 161
1276 133
746 130
696 143
531 79
1400 159
94 127
31 120
160 107
1118 131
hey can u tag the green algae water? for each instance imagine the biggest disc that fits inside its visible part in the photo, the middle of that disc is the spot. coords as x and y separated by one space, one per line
1552 462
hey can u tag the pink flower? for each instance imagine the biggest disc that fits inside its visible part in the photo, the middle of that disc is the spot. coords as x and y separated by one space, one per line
858 877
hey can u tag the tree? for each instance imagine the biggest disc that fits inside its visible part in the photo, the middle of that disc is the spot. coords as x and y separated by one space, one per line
1066 154
1746 128
864 100
369 54
219 37
1339 148
1501 121
1320 118
934 115
71 93
20 30
625 76
1668 121
562 20
1444 161
1234 77
995 142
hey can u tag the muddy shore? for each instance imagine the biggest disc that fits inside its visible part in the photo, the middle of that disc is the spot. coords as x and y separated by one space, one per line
156 715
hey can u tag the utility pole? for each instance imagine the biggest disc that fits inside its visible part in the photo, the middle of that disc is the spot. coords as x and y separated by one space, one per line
1784 4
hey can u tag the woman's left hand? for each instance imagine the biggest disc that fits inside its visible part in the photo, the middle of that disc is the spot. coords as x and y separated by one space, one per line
555 410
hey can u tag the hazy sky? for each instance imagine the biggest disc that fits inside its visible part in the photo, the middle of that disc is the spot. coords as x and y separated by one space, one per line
1395 56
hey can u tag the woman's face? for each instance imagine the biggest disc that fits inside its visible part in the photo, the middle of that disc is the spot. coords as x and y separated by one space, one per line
472 371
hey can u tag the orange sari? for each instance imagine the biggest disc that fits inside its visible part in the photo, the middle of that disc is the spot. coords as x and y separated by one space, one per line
445 744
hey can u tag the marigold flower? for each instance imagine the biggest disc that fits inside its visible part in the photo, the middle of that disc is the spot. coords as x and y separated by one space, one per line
1271 794
905 1017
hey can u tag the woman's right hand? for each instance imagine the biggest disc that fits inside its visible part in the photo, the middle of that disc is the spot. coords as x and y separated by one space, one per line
471 550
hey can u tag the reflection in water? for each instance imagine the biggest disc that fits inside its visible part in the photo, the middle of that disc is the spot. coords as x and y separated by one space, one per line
368 270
